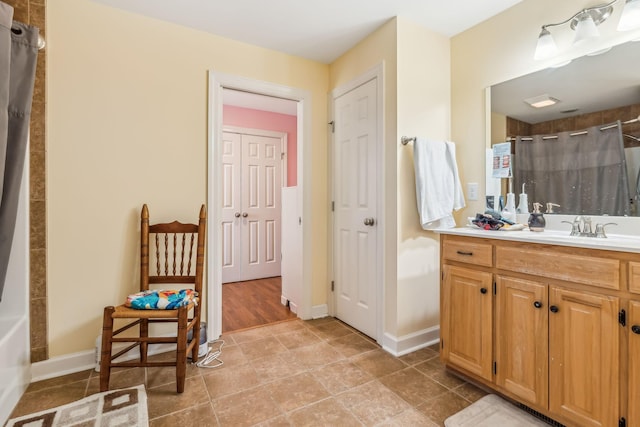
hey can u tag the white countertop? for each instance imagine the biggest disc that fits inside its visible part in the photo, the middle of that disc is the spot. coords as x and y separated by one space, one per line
613 242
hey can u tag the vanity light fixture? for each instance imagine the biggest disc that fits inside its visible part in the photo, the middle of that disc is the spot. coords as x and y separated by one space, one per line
541 101
585 24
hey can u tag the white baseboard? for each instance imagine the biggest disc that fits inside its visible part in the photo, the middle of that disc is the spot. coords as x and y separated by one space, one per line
399 346
293 307
283 300
319 311
82 361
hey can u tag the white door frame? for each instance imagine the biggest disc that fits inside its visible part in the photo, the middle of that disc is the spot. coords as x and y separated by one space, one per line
217 83
377 73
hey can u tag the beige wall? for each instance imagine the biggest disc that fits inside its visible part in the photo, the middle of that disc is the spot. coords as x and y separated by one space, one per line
416 102
380 47
127 115
500 49
424 105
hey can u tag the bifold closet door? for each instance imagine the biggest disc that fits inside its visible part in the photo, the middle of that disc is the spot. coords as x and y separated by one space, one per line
251 207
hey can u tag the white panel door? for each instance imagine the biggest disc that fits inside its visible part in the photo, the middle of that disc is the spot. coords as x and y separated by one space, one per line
231 206
261 192
355 207
251 206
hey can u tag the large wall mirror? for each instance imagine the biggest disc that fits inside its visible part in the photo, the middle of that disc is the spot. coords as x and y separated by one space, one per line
583 151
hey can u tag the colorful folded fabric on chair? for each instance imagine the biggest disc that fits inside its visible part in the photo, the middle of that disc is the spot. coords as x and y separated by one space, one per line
162 299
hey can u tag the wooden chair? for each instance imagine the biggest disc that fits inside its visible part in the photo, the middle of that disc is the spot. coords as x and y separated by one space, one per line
179 261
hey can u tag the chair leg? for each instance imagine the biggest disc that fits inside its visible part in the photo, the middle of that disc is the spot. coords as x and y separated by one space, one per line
181 351
196 339
105 356
144 333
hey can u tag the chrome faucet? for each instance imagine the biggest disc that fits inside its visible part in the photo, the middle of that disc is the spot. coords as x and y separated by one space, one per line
600 229
581 226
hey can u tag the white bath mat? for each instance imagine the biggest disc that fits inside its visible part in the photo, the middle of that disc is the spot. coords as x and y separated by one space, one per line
122 408
492 411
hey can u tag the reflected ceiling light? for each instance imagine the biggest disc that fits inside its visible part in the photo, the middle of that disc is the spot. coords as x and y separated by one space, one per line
541 101
585 24
630 18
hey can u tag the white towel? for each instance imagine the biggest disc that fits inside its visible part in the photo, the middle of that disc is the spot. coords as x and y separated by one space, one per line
438 188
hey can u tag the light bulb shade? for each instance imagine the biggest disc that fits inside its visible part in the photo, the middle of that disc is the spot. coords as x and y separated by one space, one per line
546 46
585 28
630 18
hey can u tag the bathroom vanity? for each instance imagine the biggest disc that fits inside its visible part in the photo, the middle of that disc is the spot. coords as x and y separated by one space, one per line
548 320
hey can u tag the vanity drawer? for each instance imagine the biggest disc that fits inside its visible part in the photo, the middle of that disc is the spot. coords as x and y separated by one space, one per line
556 264
468 251
634 277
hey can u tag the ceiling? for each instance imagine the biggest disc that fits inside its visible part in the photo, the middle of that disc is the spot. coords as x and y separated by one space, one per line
588 84
317 30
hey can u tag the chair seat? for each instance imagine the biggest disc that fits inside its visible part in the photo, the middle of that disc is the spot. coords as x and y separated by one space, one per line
124 312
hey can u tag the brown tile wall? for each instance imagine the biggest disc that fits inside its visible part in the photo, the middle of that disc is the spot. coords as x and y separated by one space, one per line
517 127
32 12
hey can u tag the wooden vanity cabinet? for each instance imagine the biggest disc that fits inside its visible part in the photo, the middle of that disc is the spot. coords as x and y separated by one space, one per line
522 339
584 355
468 304
634 363
555 344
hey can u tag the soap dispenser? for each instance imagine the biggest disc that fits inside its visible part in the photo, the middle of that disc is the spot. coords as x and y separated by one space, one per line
523 205
536 219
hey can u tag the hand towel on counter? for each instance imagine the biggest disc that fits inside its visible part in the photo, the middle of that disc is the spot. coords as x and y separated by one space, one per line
438 187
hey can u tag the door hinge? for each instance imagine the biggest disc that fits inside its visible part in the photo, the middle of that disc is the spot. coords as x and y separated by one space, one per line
333 206
622 317
495 288
281 156
495 368
622 422
333 286
333 126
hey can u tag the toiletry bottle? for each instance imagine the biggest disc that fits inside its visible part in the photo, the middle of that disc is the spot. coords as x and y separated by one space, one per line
536 219
523 205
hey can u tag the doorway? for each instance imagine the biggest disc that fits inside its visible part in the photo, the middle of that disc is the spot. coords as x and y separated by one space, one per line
218 83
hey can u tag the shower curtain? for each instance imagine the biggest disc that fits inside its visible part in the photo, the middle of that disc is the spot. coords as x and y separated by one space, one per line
584 172
18 54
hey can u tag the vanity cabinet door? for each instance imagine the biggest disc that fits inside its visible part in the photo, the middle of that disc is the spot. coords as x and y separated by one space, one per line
467 307
522 339
634 363
584 357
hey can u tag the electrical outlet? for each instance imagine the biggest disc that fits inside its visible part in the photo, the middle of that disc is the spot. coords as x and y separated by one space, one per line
472 190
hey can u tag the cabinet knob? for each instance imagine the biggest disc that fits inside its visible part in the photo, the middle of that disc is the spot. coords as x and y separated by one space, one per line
537 304
635 329
244 214
483 290
554 309
237 214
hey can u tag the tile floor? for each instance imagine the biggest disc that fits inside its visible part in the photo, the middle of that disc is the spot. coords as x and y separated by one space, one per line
295 373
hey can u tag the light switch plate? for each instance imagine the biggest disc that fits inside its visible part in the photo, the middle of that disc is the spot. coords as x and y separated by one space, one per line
472 190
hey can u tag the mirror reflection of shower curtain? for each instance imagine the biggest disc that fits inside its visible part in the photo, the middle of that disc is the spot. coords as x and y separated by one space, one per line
18 55
585 174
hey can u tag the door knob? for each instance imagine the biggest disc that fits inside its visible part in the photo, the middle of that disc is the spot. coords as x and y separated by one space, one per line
537 304
483 290
369 221
244 214
237 214
554 309
635 329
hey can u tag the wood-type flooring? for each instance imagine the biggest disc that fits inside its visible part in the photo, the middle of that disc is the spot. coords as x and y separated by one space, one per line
253 303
